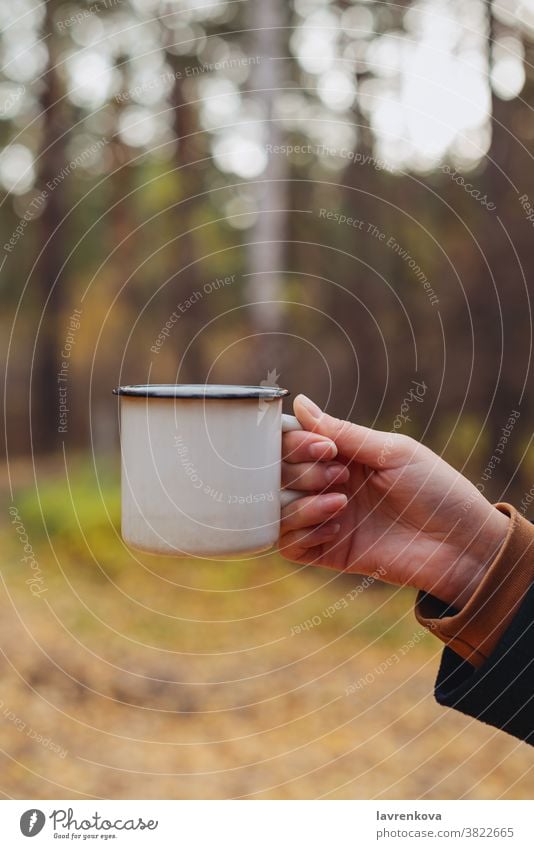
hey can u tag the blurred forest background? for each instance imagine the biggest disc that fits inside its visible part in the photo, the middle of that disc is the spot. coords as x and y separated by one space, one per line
334 195
136 139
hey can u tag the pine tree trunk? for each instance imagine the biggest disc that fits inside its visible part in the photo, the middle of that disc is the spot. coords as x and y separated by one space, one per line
267 250
52 240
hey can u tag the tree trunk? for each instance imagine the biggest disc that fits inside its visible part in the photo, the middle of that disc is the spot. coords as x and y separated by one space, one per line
267 250
51 162
187 280
505 272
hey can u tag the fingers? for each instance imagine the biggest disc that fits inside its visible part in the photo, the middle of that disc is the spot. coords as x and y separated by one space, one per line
313 476
301 446
363 444
309 541
312 510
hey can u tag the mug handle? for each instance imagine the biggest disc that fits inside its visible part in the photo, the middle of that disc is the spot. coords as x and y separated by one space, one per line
287 496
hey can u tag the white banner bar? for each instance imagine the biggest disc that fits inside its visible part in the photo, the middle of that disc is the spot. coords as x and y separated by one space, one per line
268 824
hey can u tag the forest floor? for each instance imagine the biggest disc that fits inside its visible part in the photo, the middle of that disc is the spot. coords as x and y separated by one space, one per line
131 676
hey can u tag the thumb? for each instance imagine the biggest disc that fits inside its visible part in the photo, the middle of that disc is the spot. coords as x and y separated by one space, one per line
354 441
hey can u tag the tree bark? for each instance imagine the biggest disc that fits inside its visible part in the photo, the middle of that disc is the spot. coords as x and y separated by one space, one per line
267 249
52 297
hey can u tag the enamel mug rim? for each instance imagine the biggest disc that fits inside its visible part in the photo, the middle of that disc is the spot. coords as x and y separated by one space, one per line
224 391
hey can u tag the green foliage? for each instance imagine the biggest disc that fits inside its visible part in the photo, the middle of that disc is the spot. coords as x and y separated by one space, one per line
75 517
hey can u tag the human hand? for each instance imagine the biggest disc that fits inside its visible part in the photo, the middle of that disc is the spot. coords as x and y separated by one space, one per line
388 505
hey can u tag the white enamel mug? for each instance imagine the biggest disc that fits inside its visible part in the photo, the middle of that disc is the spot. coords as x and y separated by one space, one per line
201 468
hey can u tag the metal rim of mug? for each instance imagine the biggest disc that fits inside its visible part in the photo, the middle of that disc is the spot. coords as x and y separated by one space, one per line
200 390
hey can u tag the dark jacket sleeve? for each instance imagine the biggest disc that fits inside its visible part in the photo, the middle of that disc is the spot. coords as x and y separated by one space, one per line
500 692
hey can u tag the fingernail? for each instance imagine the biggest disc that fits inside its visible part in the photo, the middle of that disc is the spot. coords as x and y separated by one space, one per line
329 531
333 501
312 408
332 530
337 472
324 448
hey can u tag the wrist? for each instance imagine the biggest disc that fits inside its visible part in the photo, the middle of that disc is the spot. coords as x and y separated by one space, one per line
479 552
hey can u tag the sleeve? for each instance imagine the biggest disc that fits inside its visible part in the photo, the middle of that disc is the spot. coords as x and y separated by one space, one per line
487 667
500 692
